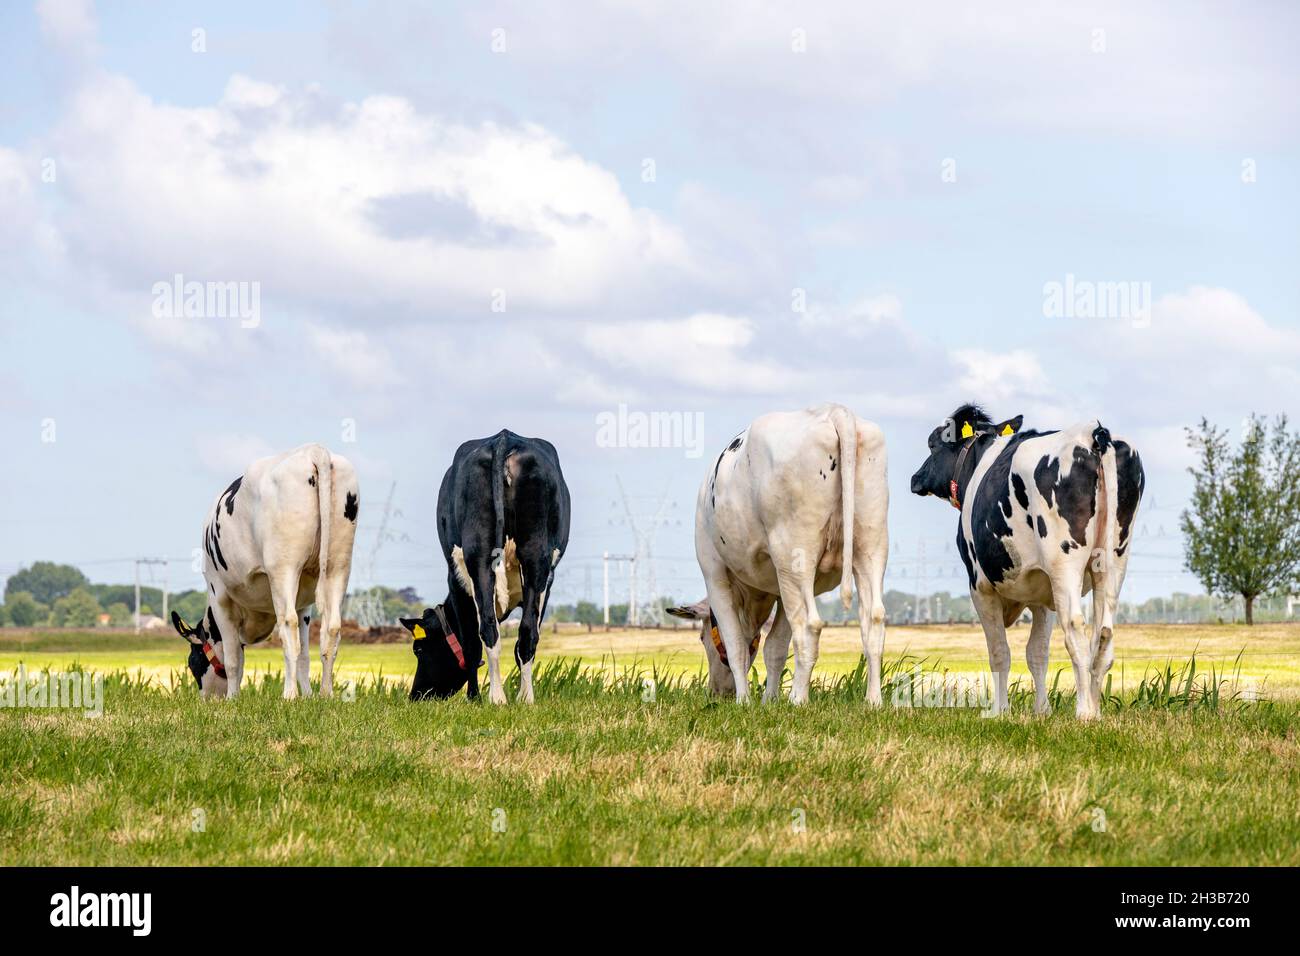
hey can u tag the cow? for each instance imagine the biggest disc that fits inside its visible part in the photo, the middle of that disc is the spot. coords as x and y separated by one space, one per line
503 523
276 540
1046 517
721 681
795 505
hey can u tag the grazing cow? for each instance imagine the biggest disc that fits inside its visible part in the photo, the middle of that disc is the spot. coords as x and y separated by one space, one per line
503 522
794 506
721 681
278 539
1045 518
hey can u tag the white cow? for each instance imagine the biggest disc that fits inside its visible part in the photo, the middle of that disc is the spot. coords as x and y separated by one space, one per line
795 505
277 539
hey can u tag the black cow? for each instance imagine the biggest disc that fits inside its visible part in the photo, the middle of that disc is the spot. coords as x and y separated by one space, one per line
1045 518
503 522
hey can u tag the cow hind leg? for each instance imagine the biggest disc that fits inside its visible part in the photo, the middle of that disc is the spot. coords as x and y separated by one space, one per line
871 621
1069 608
776 650
805 629
284 596
989 609
331 629
530 626
490 632
1037 651
304 656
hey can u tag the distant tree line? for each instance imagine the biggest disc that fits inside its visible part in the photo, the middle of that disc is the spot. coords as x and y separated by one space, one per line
49 594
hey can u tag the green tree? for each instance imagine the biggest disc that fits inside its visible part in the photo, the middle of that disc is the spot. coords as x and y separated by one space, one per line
25 610
587 613
4 616
119 615
190 605
46 581
1243 528
78 609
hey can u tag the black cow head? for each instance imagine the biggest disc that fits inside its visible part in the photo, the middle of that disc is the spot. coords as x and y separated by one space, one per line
439 670
207 656
967 426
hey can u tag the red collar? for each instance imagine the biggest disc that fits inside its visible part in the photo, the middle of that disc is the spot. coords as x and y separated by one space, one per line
961 459
451 638
210 652
722 649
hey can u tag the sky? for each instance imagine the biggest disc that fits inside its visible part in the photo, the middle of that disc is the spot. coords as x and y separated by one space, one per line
454 218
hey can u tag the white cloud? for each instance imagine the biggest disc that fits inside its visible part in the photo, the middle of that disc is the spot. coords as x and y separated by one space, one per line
352 355
707 351
866 317
70 24
372 208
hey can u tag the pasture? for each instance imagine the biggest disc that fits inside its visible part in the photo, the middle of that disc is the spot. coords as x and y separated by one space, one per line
600 771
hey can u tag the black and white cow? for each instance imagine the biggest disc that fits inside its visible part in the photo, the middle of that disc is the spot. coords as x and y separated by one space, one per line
795 506
1046 517
503 522
277 539
721 681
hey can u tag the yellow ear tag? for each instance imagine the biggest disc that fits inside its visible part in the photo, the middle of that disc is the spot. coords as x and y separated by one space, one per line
966 430
1006 429
418 632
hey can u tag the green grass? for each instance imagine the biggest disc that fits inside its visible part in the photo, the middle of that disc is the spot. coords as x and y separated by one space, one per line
1179 770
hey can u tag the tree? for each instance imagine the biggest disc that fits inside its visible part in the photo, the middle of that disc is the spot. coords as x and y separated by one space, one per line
46 581
78 609
1243 528
119 615
25 610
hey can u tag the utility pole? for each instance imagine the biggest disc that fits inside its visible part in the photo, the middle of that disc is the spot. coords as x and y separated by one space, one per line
631 602
150 561
644 528
920 576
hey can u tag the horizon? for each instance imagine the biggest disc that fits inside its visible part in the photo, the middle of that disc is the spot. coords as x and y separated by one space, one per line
432 222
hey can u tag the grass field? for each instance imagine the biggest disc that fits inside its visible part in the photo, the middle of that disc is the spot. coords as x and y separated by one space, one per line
595 773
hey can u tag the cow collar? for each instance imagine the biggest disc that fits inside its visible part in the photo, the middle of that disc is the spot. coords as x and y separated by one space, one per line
210 652
451 637
956 472
721 648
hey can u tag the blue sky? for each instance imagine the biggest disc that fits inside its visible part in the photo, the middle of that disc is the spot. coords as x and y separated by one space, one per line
379 170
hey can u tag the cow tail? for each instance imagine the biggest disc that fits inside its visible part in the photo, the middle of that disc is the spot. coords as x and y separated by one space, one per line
846 426
325 502
1107 528
499 495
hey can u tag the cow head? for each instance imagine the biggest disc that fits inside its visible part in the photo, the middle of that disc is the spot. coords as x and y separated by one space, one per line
721 681
207 660
441 661
968 427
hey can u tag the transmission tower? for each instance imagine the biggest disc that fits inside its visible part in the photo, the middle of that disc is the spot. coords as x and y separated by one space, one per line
367 607
645 607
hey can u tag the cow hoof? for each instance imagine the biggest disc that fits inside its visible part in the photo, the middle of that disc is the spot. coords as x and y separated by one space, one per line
497 698
874 700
